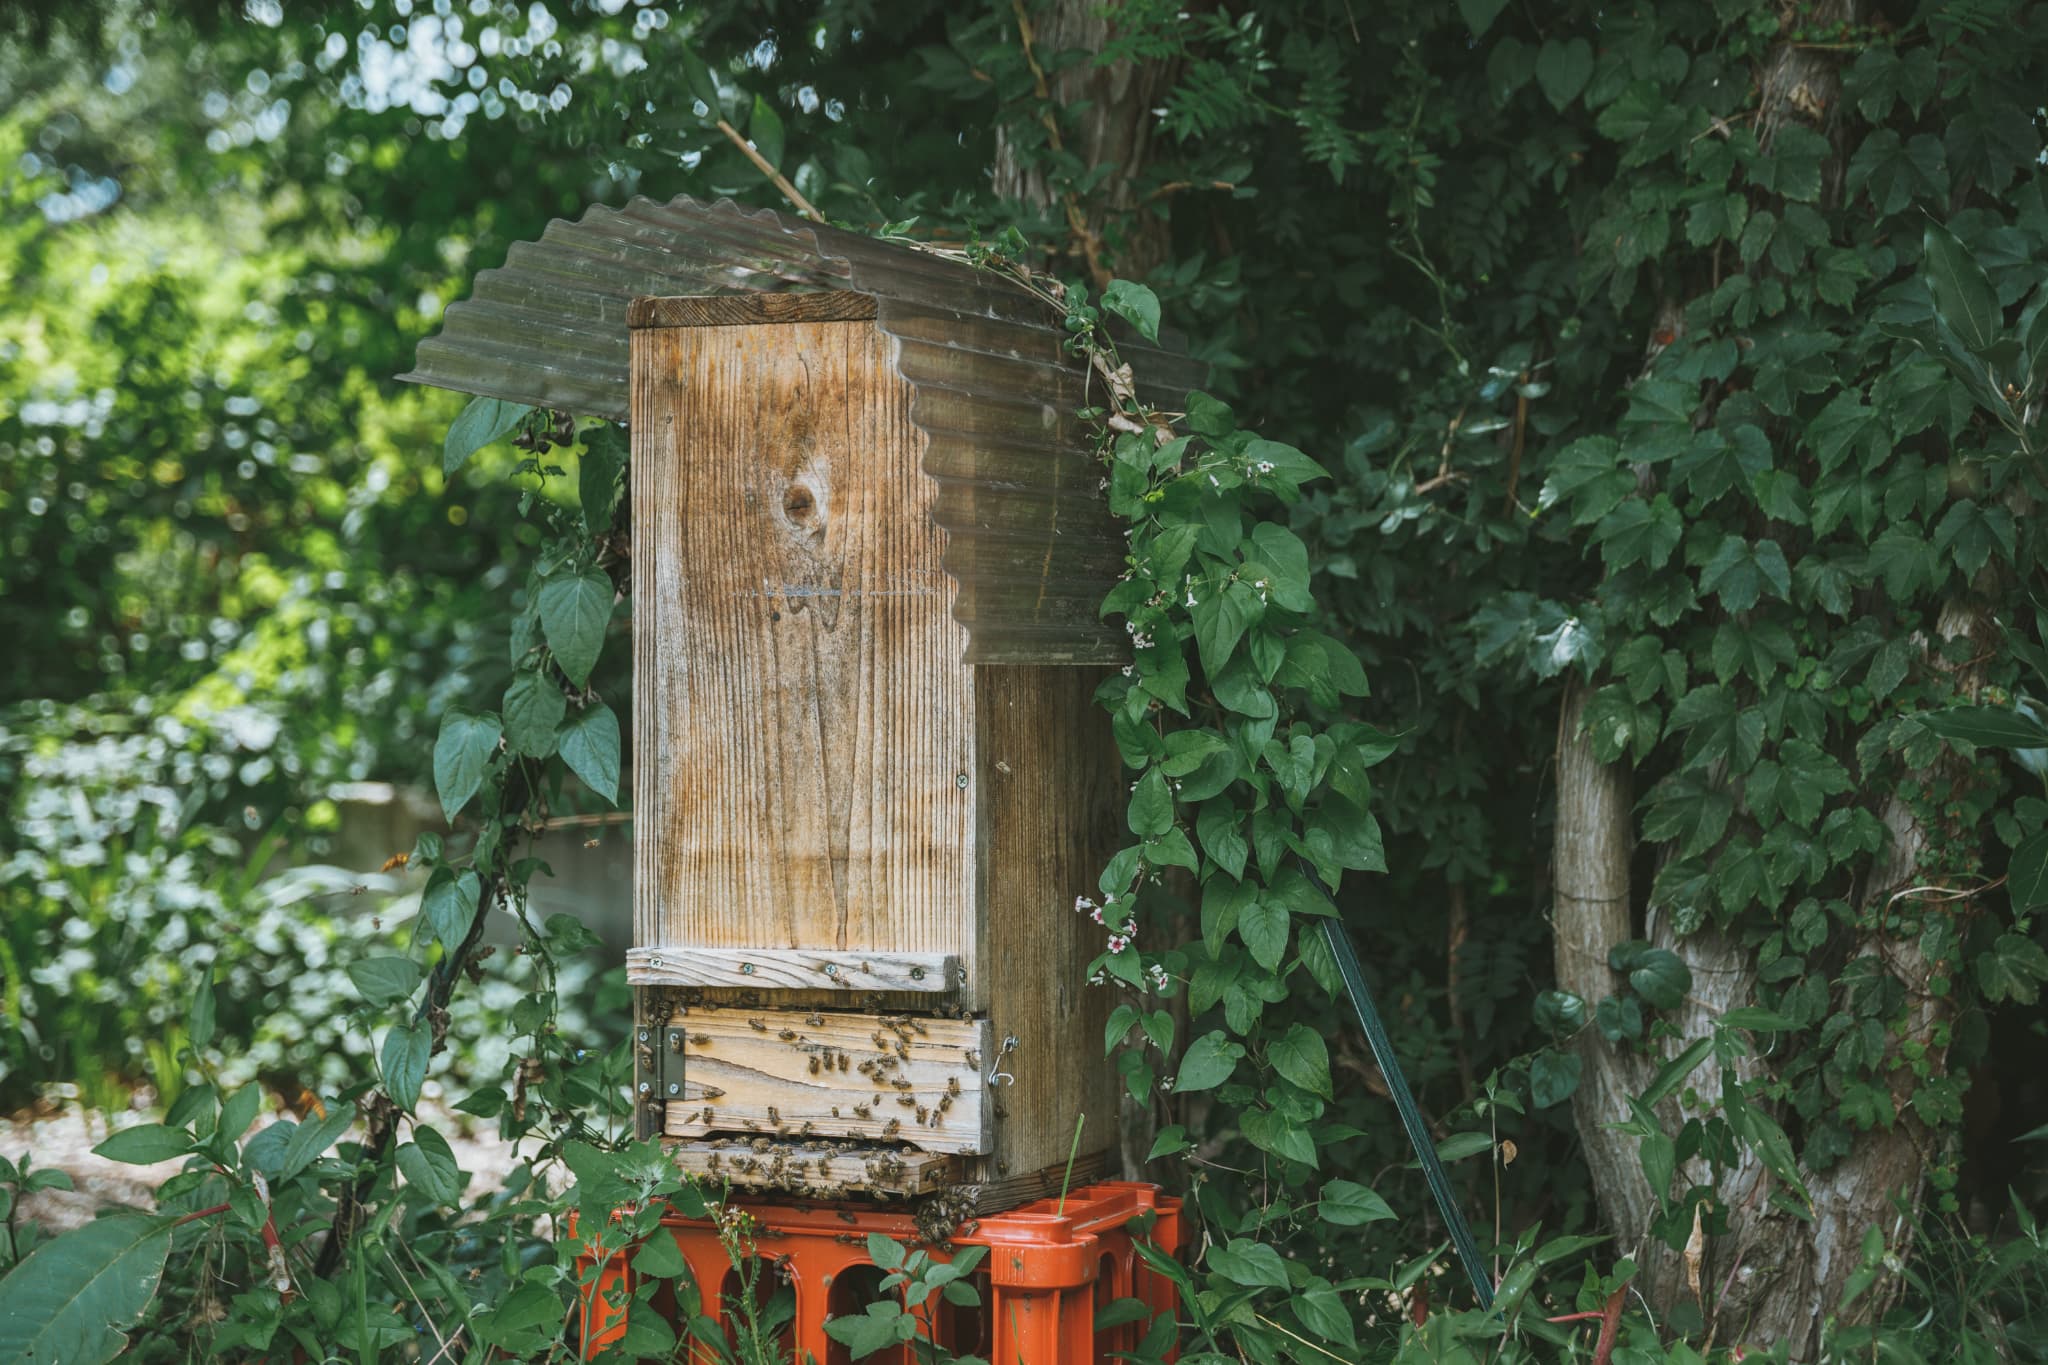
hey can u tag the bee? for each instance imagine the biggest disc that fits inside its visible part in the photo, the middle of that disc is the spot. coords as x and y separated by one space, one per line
923 1114
953 1087
861 1111
973 1059
700 1040
757 1026
815 1068
787 1035
907 1101
393 863
842 1061
774 1116
892 1128
815 1020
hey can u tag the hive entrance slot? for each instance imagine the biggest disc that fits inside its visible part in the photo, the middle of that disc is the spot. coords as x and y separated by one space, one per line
816 1169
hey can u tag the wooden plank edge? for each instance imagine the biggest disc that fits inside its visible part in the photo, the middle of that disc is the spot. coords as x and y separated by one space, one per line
794 969
750 309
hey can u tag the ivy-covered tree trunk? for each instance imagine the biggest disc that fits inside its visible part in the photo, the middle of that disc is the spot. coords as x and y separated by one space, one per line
1759 1271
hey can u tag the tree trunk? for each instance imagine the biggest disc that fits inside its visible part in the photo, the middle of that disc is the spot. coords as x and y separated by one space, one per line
1110 125
1594 839
1772 1278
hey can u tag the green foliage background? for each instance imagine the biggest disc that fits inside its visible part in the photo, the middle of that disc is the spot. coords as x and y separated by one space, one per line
1617 380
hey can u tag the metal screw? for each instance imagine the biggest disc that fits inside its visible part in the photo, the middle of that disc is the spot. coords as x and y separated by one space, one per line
831 969
917 973
643 1035
656 963
961 781
646 1089
746 969
674 1089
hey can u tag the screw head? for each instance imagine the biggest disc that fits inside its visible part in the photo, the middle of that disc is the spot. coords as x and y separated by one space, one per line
746 969
917 973
961 781
674 1089
831 969
646 1089
643 1035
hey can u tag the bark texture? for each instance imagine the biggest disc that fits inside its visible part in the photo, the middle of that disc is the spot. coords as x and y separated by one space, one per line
1110 125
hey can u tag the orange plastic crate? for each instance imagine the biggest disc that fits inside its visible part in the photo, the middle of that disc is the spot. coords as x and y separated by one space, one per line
1047 1272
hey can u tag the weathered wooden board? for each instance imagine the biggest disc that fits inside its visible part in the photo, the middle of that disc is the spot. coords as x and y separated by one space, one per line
886 1078
1050 819
804 728
782 969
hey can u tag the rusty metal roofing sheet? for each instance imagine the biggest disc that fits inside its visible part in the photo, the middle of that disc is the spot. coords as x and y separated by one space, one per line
1029 538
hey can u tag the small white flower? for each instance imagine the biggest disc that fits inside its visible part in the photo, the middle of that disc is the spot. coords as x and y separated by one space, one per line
1083 903
1191 599
1264 466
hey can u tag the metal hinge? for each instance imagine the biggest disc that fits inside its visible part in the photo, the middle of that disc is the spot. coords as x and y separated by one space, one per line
657 1075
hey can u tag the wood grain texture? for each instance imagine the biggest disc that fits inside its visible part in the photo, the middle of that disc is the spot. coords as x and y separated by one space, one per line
748 310
1050 820
805 728
788 969
817 1170
885 1078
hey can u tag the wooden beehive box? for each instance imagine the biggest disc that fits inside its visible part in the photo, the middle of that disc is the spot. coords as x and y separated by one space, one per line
854 850
869 546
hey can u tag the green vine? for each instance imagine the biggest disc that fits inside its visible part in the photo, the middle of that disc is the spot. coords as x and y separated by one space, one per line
1231 715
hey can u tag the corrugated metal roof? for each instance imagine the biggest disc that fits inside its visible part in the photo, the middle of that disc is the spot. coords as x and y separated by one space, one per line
1029 537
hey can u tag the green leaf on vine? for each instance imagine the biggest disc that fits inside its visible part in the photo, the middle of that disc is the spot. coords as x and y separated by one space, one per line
448 906
1349 1204
589 743
1209 1061
385 980
1262 924
404 1059
1151 810
1553 1077
1963 296
1135 304
461 753
1246 1262
597 476
1302 1057
485 420
534 706
575 609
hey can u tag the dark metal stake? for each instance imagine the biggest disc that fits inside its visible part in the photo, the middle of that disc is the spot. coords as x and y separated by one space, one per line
1397 1086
